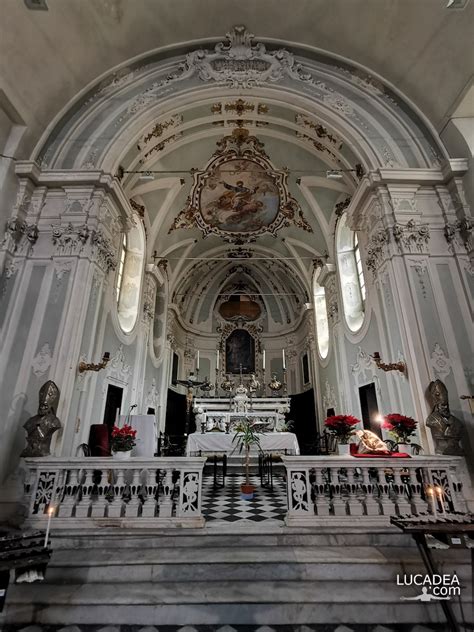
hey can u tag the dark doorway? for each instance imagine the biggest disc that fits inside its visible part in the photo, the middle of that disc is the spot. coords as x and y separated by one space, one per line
303 415
176 414
112 403
369 408
150 411
330 412
175 368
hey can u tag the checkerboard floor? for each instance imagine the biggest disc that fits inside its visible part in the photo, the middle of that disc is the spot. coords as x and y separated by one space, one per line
225 503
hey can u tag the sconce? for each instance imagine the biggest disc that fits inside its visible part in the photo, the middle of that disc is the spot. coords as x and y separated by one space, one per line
392 366
85 366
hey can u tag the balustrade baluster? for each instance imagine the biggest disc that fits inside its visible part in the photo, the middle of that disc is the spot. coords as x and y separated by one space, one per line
372 507
400 489
418 505
386 493
457 501
321 500
355 501
149 489
99 493
339 502
133 506
165 501
299 494
84 498
66 508
116 504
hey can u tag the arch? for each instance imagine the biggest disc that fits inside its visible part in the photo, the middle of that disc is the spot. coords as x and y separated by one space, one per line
351 277
377 123
129 277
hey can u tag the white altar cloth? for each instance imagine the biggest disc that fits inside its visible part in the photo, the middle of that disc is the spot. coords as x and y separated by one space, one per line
147 434
222 442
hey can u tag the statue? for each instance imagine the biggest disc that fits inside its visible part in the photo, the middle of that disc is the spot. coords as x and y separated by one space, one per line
240 402
447 429
253 384
41 427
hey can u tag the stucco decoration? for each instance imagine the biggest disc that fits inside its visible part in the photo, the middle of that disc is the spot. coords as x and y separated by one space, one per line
440 362
412 236
363 365
238 62
19 236
69 239
240 195
376 250
117 371
329 397
152 399
42 361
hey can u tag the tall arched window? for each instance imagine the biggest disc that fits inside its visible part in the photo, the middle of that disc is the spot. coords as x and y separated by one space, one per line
321 318
351 275
128 281
121 264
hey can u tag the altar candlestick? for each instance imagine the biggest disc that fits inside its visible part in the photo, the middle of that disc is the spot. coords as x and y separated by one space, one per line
217 360
284 359
48 526
432 500
197 361
263 360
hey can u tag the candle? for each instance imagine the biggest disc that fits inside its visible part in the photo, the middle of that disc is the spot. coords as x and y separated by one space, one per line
263 360
197 361
284 359
48 526
440 495
432 500
217 359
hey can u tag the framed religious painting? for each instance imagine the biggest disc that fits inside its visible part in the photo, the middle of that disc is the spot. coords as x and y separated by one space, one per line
240 352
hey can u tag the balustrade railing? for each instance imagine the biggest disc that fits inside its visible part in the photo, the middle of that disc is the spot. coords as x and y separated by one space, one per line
79 492
326 489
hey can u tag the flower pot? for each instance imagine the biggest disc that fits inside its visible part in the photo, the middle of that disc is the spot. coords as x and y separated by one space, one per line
404 447
344 449
247 491
121 455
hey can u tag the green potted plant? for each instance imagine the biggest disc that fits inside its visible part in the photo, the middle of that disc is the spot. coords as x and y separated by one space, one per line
246 437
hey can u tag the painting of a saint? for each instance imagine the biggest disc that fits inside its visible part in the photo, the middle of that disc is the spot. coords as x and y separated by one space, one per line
239 197
240 350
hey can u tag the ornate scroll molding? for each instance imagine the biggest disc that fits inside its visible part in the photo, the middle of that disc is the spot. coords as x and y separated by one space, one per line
412 236
376 250
238 62
460 232
117 370
152 399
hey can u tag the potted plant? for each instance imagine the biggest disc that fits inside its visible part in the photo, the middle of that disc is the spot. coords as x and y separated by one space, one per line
122 442
342 426
246 437
401 428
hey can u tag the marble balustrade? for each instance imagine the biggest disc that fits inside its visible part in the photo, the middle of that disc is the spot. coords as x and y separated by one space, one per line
139 492
329 489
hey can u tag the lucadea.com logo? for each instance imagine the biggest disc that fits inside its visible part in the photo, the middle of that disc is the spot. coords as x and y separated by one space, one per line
431 587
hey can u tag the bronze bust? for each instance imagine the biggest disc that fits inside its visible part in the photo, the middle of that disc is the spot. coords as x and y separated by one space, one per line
446 429
41 427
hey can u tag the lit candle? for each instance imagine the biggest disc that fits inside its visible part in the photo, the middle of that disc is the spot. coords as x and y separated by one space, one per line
263 360
432 500
440 495
48 526
197 361
284 359
217 359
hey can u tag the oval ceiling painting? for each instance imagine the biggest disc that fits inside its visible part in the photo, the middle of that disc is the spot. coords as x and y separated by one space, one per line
240 307
239 197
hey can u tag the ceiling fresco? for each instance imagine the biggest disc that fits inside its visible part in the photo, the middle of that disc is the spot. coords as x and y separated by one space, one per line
240 195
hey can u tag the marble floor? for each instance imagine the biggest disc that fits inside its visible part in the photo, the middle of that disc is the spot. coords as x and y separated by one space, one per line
225 503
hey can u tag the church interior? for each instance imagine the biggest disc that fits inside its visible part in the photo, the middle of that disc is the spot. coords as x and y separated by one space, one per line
236 264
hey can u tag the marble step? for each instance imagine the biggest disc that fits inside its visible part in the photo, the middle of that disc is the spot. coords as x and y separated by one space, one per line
232 535
418 617
270 571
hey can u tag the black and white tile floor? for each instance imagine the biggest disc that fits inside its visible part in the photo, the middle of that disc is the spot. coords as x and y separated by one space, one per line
225 503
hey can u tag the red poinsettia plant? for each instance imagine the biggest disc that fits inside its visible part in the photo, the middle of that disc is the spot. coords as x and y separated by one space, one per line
341 426
400 427
123 439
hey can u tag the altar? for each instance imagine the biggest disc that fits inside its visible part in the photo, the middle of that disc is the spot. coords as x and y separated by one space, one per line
220 442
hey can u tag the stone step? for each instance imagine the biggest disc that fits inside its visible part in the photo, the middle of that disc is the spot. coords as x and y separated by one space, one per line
117 573
231 614
231 535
